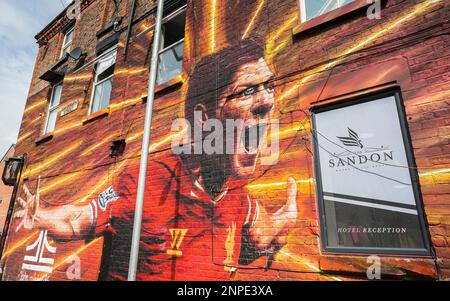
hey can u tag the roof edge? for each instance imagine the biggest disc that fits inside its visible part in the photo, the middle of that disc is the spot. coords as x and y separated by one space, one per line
49 25
13 146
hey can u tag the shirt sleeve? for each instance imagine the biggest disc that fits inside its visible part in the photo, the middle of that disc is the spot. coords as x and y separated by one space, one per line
100 210
249 252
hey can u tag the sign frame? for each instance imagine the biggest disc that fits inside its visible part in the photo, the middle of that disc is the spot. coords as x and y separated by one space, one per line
413 175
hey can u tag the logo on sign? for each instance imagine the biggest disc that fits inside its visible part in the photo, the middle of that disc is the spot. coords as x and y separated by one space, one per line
352 139
363 155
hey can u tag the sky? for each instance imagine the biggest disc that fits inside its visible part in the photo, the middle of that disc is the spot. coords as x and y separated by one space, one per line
20 21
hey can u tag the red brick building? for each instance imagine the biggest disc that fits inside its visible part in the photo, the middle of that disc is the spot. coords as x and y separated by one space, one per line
5 191
355 106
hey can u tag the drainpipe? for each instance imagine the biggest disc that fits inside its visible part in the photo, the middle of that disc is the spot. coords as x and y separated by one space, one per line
134 252
130 23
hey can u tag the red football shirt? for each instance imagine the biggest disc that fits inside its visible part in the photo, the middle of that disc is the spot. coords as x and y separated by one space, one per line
186 234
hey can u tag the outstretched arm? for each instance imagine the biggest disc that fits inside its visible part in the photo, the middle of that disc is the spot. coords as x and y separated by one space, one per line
63 222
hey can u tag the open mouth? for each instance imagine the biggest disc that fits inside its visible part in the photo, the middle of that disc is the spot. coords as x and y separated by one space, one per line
252 137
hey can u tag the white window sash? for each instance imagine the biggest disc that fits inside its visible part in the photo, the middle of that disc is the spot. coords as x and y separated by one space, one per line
303 11
165 19
104 80
52 108
66 44
96 84
174 14
171 46
95 89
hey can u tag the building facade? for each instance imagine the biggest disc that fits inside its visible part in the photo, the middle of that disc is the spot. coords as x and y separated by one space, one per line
5 191
291 140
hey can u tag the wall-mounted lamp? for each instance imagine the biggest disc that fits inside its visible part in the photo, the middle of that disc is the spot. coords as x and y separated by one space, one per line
11 172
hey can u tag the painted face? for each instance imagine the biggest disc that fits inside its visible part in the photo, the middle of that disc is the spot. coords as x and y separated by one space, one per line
250 98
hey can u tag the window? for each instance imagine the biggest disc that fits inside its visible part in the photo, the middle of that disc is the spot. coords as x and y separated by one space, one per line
314 8
171 46
104 73
52 114
67 42
367 191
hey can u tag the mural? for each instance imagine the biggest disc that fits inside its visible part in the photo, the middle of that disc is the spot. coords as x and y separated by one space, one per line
197 215
230 189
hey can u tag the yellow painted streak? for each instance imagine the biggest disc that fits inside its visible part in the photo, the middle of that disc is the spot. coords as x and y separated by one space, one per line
125 103
139 70
252 21
434 172
144 27
105 179
213 25
308 264
25 136
35 120
283 27
97 145
273 52
58 182
75 253
101 184
293 130
420 8
130 70
54 158
187 44
34 106
112 107
165 140
277 184
77 77
134 137
18 245
67 128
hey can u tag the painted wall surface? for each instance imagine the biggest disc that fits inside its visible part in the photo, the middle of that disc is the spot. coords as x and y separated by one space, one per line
222 217
5 192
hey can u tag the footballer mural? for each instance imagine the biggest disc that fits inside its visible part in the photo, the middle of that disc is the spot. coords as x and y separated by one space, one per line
199 221
238 186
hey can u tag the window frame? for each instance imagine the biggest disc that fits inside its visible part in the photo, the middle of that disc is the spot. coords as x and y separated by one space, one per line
52 108
65 44
303 10
413 175
107 53
163 49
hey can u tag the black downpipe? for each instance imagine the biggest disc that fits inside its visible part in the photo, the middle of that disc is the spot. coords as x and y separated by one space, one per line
130 23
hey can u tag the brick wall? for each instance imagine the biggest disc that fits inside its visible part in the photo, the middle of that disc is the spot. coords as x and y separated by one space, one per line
5 193
407 47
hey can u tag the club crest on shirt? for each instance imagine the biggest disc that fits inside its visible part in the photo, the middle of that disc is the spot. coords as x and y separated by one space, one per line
229 246
107 196
177 238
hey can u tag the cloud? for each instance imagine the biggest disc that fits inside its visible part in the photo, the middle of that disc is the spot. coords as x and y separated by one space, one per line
20 21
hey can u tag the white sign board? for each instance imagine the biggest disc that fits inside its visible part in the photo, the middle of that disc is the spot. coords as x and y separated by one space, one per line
364 168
